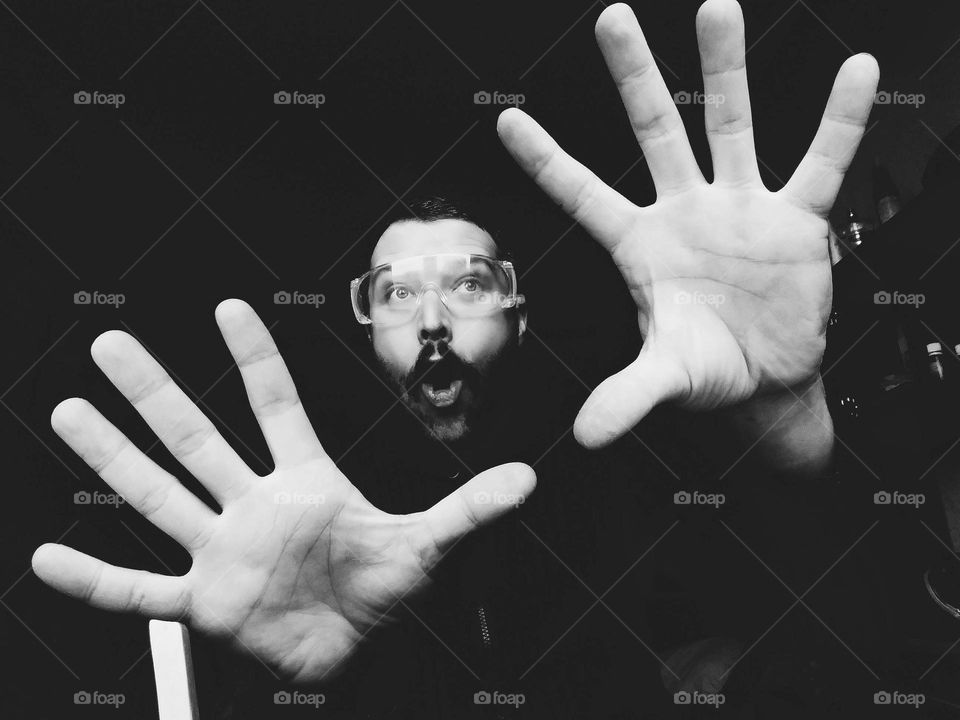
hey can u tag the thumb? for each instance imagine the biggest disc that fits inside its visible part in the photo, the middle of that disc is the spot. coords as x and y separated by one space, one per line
478 502
624 399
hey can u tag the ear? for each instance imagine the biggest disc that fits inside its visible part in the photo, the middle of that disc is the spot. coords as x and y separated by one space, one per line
521 321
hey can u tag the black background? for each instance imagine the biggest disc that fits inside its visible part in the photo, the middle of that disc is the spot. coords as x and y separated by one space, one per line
108 208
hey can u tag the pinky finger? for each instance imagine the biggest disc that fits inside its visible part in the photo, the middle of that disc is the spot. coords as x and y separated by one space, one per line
110 587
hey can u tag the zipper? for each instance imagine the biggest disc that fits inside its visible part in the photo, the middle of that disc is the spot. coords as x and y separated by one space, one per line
485 636
486 640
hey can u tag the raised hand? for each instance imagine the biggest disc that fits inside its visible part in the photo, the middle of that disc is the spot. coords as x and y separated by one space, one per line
298 567
732 281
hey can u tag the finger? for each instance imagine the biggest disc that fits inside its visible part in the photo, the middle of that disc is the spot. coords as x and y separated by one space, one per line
720 36
177 421
653 114
817 179
152 491
273 396
603 211
109 587
478 502
623 400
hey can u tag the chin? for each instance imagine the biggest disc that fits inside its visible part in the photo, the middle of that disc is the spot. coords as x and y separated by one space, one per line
443 424
447 429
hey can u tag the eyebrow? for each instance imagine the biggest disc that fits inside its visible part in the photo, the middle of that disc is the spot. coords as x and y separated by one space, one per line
378 271
487 254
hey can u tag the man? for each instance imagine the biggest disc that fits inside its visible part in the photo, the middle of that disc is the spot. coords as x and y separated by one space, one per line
302 585
444 250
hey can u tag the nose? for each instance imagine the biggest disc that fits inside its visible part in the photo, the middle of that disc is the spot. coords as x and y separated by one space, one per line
434 323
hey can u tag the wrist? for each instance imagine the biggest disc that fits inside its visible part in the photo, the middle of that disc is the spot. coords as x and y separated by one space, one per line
790 429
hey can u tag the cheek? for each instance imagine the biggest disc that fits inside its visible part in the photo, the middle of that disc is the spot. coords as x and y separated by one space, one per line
397 349
477 341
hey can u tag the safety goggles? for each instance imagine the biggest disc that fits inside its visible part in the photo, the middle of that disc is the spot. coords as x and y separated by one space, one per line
469 286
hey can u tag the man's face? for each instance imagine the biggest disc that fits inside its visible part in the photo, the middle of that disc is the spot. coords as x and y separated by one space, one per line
444 366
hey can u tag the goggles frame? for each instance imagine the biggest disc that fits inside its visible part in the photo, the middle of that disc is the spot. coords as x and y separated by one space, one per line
512 299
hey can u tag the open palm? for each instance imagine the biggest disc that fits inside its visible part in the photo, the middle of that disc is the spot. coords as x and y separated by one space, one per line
298 567
732 281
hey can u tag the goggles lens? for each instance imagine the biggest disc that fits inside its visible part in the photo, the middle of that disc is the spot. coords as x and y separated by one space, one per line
468 285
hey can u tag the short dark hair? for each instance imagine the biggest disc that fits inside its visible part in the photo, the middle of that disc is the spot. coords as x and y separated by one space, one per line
435 207
429 208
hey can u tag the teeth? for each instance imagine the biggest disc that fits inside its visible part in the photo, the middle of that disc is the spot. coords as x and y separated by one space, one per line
436 392
441 396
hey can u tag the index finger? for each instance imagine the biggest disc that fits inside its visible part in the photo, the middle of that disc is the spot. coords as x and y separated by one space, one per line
603 211
653 113
270 389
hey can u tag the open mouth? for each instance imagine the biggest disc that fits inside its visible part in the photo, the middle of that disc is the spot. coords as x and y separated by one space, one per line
440 396
441 385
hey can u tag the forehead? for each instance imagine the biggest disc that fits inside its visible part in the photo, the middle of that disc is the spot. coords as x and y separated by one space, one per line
409 238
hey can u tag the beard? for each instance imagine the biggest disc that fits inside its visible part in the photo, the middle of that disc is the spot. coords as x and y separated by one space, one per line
451 396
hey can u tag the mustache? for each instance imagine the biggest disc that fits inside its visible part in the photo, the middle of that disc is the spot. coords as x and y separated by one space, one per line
450 363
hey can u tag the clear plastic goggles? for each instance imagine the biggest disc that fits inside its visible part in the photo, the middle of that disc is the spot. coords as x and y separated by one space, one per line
469 286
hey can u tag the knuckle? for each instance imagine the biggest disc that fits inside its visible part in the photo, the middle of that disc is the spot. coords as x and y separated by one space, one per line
187 439
154 498
275 403
263 350
144 388
657 126
89 591
100 458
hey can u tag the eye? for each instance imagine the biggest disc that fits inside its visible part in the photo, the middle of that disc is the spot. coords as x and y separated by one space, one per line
470 285
398 292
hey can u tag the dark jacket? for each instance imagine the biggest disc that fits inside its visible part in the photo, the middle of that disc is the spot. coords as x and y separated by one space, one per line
566 607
